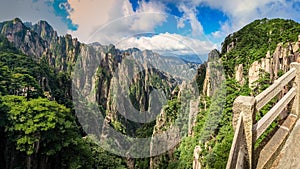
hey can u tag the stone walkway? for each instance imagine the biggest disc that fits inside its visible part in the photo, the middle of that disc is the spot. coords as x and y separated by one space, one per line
289 157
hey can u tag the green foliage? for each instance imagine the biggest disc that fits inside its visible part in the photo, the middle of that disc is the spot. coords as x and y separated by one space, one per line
38 125
186 152
17 73
146 130
280 73
44 128
21 75
118 126
38 129
172 109
213 131
6 46
38 132
262 83
254 40
90 156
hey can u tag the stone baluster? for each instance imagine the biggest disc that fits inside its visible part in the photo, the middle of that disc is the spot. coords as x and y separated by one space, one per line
296 104
245 105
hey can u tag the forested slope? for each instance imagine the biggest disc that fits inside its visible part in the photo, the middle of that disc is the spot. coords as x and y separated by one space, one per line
38 126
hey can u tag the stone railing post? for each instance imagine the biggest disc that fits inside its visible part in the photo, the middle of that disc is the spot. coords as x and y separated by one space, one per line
296 104
245 105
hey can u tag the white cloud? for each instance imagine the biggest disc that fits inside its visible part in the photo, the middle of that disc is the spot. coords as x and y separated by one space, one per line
243 12
220 34
180 23
190 14
239 13
90 15
109 21
115 22
168 43
66 6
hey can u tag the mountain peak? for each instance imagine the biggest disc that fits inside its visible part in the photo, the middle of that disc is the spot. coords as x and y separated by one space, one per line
44 24
263 34
17 20
9 27
44 29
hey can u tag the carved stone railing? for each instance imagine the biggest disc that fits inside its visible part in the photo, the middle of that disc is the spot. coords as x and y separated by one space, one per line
247 131
237 152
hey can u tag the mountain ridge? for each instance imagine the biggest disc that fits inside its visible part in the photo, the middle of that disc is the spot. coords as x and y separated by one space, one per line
247 56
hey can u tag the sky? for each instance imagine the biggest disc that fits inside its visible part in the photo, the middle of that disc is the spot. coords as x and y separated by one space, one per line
180 27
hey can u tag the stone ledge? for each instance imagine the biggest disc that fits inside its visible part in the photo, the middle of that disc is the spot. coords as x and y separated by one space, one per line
271 150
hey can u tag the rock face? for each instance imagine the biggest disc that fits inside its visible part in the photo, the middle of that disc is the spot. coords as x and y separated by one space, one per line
174 129
212 78
130 87
40 40
194 109
44 30
128 84
196 162
27 41
239 77
214 74
240 51
279 61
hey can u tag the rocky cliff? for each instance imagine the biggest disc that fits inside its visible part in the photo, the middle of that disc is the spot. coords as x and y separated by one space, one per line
215 74
130 87
274 64
40 40
142 94
251 58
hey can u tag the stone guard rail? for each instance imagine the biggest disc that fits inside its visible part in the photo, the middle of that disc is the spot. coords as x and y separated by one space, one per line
247 131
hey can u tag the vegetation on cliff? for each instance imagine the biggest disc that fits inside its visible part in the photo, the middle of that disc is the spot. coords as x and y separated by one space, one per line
245 46
38 126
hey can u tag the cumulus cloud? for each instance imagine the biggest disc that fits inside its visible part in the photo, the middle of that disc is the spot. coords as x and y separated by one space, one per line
241 13
190 14
167 43
108 21
114 21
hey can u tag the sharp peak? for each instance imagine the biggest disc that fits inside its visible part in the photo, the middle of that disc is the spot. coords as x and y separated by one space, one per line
17 19
40 22
43 22
14 21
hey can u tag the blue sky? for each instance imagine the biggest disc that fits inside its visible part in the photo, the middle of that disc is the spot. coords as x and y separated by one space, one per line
182 26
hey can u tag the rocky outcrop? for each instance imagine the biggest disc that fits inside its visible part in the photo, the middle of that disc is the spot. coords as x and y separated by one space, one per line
196 162
254 73
212 87
228 43
194 110
174 128
239 74
44 30
130 87
23 38
280 60
40 40
230 46
214 73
